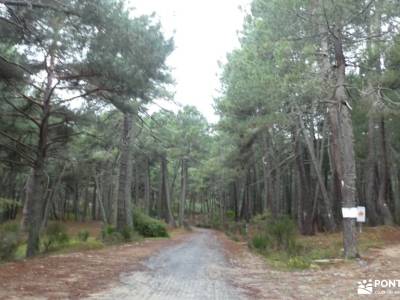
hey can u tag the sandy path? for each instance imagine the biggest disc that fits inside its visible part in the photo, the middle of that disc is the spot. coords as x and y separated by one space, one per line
79 274
195 269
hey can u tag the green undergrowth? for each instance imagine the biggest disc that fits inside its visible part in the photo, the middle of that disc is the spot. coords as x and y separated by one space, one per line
111 236
73 245
148 226
56 239
283 248
10 240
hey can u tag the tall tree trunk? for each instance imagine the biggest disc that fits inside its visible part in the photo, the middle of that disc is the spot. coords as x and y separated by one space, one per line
370 173
124 208
36 191
343 132
235 198
85 204
147 186
267 166
99 197
50 199
76 202
394 175
317 168
183 191
28 192
165 195
94 201
305 204
384 177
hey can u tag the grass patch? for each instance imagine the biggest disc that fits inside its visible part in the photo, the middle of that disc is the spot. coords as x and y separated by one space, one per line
72 245
284 249
78 245
55 236
65 237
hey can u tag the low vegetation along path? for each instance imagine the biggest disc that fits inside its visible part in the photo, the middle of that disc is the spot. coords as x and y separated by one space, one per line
195 269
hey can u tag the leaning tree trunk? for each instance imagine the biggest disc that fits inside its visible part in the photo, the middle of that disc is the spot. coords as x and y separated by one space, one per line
330 222
50 198
124 207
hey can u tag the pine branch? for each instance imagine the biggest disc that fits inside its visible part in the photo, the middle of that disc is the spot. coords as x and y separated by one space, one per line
36 122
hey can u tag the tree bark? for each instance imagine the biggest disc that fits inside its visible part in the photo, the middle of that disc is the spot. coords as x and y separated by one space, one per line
99 197
384 177
124 206
183 191
147 187
36 190
267 175
317 168
94 202
50 199
165 196
343 131
305 204
370 173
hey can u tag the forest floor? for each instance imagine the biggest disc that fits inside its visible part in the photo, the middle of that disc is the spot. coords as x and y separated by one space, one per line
77 274
202 264
336 280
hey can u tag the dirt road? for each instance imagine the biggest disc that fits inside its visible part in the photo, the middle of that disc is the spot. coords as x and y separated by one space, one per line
194 269
202 264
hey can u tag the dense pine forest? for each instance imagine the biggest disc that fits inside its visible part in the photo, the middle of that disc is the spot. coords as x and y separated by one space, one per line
308 107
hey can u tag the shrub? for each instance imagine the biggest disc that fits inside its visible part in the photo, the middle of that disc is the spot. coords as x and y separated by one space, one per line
275 233
130 235
216 222
83 235
283 232
107 230
230 215
10 227
9 240
55 235
260 219
113 238
260 242
127 233
110 235
148 226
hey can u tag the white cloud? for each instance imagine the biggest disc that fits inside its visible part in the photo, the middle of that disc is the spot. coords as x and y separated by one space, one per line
205 31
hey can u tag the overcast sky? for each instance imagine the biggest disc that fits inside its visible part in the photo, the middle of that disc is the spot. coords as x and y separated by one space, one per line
204 32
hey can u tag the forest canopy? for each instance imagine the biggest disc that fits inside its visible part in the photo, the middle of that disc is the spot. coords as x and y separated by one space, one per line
308 119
